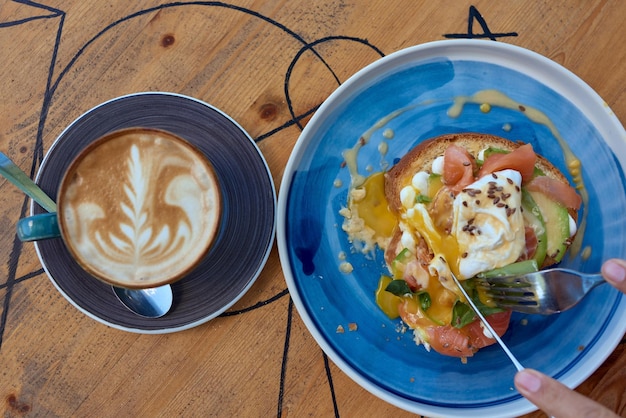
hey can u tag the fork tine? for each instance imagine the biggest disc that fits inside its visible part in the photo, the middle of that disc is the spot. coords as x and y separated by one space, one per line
505 287
529 308
525 298
520 281
509 292
544 292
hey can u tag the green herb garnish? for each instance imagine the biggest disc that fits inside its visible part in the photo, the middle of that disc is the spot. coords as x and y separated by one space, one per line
398 288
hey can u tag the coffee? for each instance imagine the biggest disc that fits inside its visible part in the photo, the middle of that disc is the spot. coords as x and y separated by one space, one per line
139 208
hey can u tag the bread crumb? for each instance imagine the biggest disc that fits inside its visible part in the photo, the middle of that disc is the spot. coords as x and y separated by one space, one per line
352 326
340 329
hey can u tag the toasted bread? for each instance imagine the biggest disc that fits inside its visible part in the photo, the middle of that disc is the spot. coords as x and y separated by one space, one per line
443 211
422 156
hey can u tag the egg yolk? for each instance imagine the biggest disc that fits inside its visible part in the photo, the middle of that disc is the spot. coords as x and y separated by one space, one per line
439 313
441 244
387 301
374 209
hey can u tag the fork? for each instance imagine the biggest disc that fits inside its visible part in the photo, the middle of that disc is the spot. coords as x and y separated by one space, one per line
542 292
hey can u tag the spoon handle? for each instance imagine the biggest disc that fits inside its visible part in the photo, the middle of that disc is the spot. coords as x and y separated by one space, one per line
16 176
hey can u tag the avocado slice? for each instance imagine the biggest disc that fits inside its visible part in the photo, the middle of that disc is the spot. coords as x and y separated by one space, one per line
534 219
556 221
516 269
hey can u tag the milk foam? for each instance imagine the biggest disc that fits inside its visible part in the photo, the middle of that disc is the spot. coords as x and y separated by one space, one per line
140 209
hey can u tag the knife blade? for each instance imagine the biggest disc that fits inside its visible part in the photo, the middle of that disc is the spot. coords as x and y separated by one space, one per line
508 352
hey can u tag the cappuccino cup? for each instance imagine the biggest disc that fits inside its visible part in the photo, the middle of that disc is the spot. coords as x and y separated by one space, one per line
137 208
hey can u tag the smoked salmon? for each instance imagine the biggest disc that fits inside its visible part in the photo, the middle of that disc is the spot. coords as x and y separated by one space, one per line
464 342
558 191
521 159
458 168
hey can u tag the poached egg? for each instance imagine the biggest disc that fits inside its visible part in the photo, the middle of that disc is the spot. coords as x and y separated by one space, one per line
487 228
488 223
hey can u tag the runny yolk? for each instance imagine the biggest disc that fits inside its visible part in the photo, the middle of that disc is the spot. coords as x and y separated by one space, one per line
485 298
440 243
374 209
439 313
442 302
387 301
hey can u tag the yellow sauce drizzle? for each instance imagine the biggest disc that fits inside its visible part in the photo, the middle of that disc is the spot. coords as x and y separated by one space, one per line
350 155
388 133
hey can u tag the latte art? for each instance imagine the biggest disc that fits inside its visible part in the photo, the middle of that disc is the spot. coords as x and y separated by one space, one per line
140 208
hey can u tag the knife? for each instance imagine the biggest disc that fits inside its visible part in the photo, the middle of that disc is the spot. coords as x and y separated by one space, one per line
517 364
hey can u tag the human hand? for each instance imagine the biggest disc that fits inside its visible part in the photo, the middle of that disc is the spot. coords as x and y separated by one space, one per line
551 396
614 271
556 399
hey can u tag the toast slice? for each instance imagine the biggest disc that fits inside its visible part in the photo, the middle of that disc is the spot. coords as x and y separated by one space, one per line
421 157
447 224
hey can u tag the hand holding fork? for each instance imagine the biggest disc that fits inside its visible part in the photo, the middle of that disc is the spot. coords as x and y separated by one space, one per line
554 398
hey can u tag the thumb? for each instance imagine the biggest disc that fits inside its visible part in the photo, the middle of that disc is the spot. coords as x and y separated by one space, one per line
614 271
556 399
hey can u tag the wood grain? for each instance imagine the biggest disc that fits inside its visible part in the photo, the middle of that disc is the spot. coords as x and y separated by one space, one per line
252 59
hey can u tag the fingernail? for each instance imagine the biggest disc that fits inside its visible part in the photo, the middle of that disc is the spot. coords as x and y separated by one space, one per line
528 381
614 272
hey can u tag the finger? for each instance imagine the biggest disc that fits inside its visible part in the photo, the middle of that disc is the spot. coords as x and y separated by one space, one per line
614 271
556 399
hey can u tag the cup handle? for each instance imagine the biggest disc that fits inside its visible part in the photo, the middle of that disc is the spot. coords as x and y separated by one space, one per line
38 227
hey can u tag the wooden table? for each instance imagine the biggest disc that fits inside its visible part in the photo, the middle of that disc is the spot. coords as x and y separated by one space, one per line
62 58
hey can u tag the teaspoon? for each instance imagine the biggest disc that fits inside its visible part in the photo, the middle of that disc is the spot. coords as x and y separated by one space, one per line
149 303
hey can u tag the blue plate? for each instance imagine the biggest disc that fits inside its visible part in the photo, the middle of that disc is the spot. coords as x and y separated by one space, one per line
412 94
